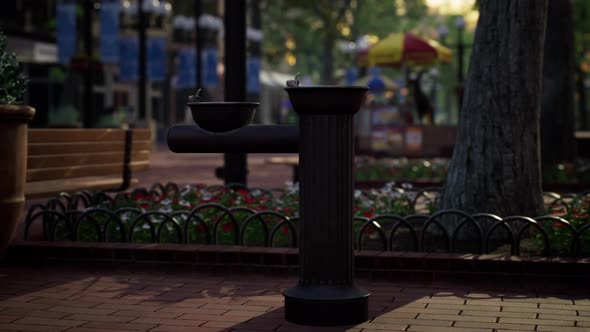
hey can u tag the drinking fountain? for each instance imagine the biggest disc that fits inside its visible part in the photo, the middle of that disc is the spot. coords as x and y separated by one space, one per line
326 294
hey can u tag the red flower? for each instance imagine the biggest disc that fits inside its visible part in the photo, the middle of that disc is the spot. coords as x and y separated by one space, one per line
139 197
558 225
227 227
262 207
146 206
368 214
249 200
285 230
209 200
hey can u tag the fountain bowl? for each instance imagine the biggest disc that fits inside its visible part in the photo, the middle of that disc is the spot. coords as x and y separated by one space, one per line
220 117
327 99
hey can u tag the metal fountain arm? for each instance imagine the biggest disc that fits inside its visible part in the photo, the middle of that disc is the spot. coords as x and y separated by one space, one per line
247 139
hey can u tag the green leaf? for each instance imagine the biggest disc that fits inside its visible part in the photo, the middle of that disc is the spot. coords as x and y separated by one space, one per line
12 82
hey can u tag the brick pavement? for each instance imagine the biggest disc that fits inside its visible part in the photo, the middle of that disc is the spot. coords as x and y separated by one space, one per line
199 168
122 299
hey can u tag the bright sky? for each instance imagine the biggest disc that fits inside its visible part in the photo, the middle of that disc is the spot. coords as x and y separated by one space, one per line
451 7
456 7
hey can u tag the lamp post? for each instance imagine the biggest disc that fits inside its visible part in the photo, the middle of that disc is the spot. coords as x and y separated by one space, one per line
235 164
89 117
460 25
142 81
197 11
443 32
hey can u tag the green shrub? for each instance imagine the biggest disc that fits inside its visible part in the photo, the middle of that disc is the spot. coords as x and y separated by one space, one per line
12 83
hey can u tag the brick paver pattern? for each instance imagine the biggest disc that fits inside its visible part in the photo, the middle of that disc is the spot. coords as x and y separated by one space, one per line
108 299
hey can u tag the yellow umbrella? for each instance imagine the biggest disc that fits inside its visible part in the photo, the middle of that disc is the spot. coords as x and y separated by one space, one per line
405 48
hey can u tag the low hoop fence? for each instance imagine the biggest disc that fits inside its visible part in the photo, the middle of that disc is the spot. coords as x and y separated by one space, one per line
392 219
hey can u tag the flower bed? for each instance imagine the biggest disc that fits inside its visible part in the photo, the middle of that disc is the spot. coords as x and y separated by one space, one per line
385 219
372 172
401 169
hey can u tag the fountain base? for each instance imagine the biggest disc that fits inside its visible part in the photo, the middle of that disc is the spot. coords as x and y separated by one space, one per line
322 305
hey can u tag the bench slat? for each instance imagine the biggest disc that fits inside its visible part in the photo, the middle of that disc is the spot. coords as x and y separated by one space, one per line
82 171
43 189
142 134
36 149
75 135
80 159
70 160
84 135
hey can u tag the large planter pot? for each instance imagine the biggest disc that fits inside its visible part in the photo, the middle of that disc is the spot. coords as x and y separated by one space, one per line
13 167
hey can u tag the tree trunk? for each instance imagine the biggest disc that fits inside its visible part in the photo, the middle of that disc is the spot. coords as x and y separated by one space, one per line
557 112
496 161
328 59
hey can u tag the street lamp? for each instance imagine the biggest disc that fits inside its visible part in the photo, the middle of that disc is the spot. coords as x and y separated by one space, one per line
443 32
162 11
460 25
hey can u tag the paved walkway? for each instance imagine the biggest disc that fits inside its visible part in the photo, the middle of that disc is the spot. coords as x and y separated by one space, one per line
107 299
200 168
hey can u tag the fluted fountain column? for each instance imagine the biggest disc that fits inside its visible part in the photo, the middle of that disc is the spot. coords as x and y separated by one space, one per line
326 293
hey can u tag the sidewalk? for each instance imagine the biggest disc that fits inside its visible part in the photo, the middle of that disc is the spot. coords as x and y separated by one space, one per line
184 169
123 299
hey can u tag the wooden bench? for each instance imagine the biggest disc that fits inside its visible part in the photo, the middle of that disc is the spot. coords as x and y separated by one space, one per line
70 160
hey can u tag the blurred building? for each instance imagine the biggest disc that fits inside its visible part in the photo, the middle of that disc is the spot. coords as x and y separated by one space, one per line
57 90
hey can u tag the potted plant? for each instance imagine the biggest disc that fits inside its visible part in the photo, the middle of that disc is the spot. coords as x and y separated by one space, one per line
14 119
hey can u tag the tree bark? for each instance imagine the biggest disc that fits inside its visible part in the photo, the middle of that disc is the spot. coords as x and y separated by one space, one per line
557 112
496 161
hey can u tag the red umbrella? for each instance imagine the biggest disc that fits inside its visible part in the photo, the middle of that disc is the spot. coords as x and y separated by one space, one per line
404 48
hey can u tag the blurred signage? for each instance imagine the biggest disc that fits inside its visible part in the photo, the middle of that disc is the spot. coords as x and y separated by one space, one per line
44 52
385 115
210 79
387 134
352 74
253 83
414 138
387 139
109 31
66 31
129 56
156 59
187 68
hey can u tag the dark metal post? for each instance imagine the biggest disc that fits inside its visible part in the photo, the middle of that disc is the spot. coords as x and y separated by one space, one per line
326 293
142 79
198 8
254 46
88 116
235 164
256 23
